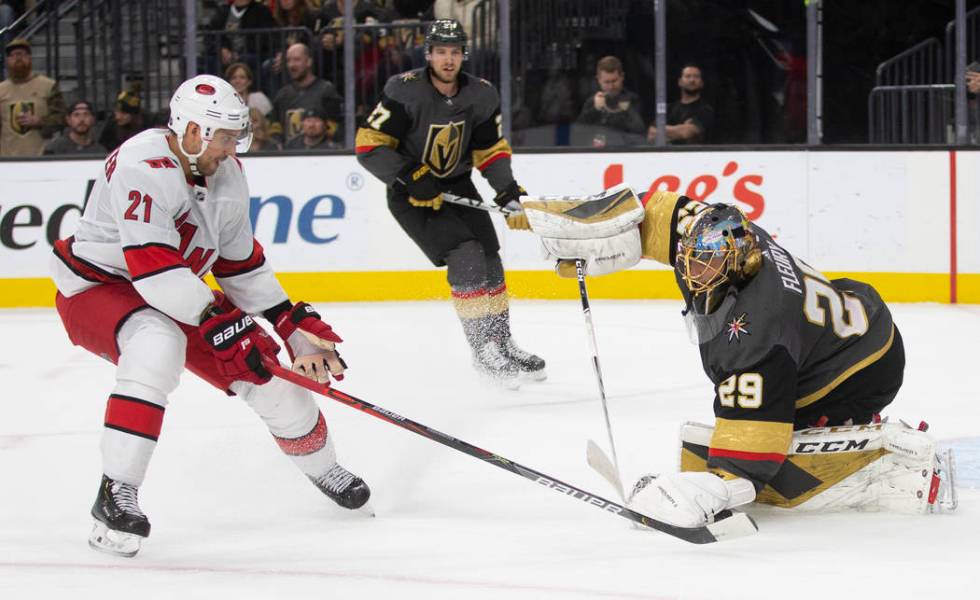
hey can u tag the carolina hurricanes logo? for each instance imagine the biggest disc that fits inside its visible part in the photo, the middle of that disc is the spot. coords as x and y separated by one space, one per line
204 89
737 327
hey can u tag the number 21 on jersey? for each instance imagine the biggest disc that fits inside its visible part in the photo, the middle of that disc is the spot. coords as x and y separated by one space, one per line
135 199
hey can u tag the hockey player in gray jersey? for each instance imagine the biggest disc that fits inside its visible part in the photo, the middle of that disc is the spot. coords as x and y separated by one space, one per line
801 366
431 127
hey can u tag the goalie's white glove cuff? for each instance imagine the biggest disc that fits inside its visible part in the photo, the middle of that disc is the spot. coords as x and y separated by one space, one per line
740 491
602 255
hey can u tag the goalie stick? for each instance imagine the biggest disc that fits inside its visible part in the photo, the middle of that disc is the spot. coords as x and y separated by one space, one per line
601 464
590 330
730 526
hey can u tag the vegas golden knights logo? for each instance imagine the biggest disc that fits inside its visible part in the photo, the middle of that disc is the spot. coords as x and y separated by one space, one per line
17 109
294 122
443 147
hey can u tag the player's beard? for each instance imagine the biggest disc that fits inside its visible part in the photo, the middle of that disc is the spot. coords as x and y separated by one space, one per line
20 70
444 78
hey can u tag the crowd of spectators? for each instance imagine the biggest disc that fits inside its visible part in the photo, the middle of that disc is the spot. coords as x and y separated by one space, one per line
285 58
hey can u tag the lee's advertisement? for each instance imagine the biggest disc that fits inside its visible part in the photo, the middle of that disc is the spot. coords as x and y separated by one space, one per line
889 217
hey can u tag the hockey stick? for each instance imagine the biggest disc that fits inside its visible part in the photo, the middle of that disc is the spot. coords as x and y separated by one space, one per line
729 526
590 329
601 464
475 203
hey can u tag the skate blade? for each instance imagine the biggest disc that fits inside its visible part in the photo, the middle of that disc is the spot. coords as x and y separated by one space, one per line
110 541
533 375
506 383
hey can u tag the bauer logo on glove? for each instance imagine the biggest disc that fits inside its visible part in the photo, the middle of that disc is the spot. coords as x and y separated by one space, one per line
232 331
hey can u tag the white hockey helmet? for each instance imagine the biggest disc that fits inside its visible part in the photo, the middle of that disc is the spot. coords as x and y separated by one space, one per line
213 104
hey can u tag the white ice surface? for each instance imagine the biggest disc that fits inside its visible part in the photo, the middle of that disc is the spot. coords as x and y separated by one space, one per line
232 518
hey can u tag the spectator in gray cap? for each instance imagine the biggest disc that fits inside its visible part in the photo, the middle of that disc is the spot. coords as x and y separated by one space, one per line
314 135
79 137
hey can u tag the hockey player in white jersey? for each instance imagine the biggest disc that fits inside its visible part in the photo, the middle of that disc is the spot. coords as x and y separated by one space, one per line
169 207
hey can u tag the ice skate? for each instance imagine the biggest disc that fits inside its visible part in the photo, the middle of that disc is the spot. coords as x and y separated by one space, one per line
120 525
491 363
344 488
530 367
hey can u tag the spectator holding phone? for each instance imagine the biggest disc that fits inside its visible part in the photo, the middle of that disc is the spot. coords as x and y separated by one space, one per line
973 99
973 77
613 106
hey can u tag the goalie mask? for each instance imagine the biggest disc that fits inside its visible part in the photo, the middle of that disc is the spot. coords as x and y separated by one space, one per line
717 250
446 32
213 104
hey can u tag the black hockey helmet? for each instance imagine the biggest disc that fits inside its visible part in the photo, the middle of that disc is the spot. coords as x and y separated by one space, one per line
447 32
717 250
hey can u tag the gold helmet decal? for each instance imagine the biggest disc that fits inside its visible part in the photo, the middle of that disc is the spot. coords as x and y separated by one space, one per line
444 146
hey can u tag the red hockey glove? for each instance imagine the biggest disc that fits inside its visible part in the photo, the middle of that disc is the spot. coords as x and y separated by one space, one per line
238 344
311 343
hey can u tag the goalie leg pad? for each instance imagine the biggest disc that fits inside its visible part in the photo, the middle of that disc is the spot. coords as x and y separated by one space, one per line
875 467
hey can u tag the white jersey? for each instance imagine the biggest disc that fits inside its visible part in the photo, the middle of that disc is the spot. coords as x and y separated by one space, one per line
145 222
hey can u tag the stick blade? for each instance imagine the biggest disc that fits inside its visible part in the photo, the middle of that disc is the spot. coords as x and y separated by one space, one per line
733 527
602 465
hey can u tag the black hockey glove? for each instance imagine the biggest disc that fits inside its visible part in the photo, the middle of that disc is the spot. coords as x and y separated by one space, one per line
512 193
509 198
421 185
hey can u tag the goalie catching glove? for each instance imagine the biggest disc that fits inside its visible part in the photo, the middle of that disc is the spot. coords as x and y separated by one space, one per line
600 230
311 343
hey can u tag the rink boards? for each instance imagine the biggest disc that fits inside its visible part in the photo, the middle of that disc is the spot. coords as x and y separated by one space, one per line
902 221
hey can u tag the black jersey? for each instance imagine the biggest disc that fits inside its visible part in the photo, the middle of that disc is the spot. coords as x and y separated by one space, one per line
778 344
413 123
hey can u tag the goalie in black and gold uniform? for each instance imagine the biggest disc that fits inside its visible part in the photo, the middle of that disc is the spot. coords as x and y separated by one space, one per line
801 365
431 127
